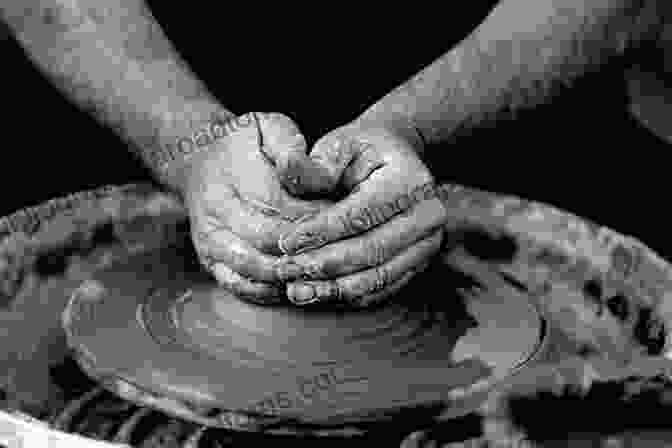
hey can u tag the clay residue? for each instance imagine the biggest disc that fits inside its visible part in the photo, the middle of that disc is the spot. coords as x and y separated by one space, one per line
50 253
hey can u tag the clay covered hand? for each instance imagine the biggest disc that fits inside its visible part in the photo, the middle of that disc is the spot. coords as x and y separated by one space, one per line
238 207
384 226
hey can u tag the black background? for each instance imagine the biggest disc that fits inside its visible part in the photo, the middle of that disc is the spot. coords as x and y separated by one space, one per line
323 67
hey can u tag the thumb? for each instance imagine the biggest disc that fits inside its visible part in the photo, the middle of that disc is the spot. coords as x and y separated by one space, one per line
325 168
284 145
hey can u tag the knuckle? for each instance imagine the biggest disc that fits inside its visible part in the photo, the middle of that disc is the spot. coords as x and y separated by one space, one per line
311 239
359 220
242 287
247 119
371 290
368 153
316 269
376 253
328 290
335 151
382 278
335 291
376 281
349 290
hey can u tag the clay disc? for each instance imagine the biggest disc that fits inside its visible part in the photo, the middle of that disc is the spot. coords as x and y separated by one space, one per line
158 324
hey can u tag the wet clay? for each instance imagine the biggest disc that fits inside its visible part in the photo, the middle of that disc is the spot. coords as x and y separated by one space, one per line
186 338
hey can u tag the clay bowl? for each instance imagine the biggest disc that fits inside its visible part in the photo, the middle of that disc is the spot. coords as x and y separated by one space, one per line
520 292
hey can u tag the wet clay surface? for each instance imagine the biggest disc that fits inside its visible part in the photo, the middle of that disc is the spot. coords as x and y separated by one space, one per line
186 338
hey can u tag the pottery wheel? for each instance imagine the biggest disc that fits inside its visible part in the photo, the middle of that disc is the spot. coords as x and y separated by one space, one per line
154 323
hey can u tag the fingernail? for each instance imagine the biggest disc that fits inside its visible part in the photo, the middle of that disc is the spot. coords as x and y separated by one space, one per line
301 293
287 269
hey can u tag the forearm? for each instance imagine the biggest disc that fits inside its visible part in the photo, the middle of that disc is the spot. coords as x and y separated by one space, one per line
112 59
516 59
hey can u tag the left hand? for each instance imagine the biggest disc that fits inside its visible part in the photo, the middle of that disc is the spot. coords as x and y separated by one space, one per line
369 244
237 207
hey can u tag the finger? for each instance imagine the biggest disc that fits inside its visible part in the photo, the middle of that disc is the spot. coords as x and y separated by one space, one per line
377 297
255 222
246 289
366 287
249 218
279 137
374 203
285 147
345 158
224 247
368 250
321 171
258 210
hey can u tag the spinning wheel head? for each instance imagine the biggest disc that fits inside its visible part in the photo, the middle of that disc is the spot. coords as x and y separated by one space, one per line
154 325
521 291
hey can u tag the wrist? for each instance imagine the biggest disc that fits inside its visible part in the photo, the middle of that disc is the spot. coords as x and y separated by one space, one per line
395 122
179 156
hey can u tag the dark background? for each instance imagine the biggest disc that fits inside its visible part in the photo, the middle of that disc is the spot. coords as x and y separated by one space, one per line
582 152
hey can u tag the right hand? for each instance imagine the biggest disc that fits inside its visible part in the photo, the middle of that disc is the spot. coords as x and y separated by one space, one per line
238 207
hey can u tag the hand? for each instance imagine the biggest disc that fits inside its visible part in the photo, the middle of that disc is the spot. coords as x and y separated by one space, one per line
238 207
369 244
